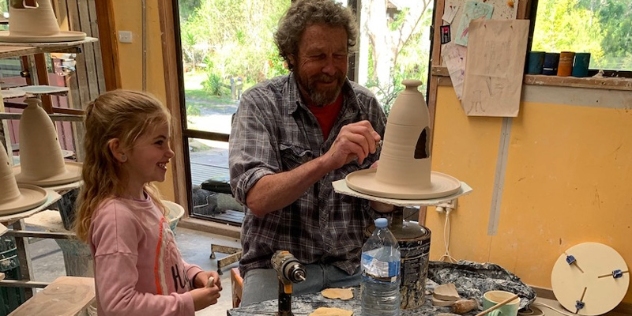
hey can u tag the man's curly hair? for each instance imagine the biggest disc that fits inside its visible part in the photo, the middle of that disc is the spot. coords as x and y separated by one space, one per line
303 13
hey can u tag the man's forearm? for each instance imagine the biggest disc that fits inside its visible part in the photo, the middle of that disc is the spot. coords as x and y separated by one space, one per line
274 192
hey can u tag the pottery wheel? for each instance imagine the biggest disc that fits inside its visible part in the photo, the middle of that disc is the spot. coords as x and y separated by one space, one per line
594 282
364 181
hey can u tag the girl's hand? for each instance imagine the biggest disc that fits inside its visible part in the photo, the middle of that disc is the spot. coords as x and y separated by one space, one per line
205 296
202 278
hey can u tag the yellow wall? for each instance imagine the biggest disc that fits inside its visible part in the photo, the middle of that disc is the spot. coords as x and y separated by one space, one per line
128 17
568 180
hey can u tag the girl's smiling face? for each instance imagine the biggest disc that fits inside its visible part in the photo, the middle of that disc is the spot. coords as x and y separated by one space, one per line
148 158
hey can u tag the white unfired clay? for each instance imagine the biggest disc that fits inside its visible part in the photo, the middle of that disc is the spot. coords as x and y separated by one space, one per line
41 159
21 20
36 24
14 199
404 169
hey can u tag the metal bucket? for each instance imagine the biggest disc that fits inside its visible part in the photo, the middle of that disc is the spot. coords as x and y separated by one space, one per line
414 266
414 246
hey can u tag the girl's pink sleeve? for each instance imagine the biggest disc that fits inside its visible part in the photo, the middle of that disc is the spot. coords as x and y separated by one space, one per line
115 238
192 270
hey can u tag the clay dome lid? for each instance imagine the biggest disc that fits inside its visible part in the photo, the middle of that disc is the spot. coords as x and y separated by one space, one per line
41 158
36 24
403 171
14 198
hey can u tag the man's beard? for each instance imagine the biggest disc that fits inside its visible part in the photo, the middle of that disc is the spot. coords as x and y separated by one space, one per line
322 97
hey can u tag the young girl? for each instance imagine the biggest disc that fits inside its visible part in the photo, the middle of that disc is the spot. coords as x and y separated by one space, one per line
138 268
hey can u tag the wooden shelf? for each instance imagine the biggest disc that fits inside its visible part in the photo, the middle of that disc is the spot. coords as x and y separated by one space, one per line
54 117
8 50
608 83
624 84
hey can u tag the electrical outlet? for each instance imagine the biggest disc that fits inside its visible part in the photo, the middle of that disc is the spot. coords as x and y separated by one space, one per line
447 206
125 36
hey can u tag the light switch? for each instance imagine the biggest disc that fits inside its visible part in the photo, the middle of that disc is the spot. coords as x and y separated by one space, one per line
125 36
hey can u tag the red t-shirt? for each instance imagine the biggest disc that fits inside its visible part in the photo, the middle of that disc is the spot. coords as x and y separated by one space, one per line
326 115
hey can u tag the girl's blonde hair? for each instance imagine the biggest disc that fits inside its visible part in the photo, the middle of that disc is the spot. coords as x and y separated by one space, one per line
121 114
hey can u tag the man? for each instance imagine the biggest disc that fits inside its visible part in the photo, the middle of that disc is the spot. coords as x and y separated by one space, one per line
294 135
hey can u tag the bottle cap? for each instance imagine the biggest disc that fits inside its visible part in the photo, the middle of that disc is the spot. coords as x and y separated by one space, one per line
381 222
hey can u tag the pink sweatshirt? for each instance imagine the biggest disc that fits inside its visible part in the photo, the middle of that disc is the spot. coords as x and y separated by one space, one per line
137 266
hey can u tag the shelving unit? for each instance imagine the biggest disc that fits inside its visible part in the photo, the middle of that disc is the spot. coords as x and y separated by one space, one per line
16 222
8 50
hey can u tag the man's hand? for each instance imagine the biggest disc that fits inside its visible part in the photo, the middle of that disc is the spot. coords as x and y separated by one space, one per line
355 141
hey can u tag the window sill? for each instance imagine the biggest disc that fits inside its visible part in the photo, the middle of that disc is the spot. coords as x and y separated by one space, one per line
624 84
210 227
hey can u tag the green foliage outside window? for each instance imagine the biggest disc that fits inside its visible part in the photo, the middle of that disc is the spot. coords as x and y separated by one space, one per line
600 27
226 39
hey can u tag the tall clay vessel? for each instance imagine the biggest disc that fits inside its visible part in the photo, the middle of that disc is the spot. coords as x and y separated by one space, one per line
404 169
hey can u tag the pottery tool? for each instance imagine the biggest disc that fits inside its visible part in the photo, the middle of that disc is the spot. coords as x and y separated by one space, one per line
464 306
531 311
445 295
499 305
211 282
446 292
590 289
617 273
441 303
342 294
331 311
570 259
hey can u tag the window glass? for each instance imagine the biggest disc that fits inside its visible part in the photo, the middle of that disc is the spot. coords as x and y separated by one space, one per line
602 28
394 45
227 47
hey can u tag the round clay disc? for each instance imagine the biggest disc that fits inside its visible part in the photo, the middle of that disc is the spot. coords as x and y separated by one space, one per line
590 279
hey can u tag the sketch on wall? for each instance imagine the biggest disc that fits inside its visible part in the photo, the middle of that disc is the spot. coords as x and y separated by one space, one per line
459 13
495 63
454 57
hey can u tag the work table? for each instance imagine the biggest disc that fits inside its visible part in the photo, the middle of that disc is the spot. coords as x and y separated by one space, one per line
308 303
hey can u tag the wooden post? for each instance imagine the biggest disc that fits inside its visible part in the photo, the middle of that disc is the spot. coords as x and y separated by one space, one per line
42 79
433 85
108 43
172 87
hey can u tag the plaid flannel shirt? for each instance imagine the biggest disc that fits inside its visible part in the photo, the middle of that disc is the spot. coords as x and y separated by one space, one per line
273 131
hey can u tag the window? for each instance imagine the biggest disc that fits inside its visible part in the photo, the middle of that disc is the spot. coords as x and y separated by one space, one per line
227 47
601 27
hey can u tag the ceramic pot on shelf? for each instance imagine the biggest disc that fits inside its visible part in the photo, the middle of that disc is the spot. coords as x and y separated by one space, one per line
22 13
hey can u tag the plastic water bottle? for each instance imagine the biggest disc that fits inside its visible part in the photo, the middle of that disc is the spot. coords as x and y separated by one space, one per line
380 272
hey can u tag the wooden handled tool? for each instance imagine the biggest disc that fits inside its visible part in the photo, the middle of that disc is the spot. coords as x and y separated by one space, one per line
211 282
464 306
503 303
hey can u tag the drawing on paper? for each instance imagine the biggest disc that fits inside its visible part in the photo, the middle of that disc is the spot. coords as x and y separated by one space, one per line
473 10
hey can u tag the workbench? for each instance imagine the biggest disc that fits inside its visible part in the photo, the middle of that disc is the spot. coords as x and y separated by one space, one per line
308 303
472 279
